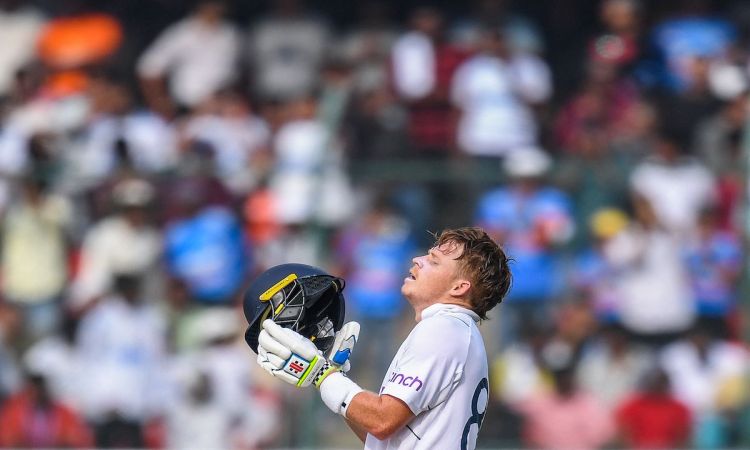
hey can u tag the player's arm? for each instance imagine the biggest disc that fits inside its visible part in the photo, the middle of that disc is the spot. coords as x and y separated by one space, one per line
295 359
361 433
378 415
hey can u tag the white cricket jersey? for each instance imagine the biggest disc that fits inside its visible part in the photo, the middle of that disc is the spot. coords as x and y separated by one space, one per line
440 372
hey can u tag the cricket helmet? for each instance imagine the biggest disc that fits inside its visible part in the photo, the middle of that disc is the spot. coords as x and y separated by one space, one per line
303 298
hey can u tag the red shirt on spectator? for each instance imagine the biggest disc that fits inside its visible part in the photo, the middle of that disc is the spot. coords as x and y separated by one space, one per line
653 421
24 424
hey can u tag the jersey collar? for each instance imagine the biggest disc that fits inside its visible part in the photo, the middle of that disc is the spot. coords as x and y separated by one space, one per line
435 309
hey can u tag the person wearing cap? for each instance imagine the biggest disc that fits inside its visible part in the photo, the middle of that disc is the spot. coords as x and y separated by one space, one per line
530 219
594 275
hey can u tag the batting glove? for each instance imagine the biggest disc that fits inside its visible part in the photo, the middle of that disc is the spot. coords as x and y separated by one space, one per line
287 355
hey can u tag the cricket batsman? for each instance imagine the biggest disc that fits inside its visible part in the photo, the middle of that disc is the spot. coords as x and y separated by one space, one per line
435 393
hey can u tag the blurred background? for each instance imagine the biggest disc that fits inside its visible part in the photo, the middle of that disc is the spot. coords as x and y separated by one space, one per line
156 154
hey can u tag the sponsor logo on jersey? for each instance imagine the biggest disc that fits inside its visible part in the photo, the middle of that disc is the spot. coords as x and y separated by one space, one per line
405 380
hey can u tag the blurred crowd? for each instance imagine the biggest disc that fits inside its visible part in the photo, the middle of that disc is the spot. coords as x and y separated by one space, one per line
155 155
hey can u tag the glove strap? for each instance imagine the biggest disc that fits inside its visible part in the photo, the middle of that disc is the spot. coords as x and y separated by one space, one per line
326 370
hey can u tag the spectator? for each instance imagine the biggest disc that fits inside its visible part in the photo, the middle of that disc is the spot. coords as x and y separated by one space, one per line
197 56
34 256
21 24
594 275
201 230
717 140
705 374
118 139
196 172
682 112
217 365
372 254
676 186
531 220
122 344
601 110
56 357
550 418
261 222
699 365
718 143
652 285
423 64
122 243
197 421
690 34
652 417
287 49
518 372
621 35
597 170
10 378
34 418
239 138
367 46
495 91
714 262
308 178
612 367
523 34
377 126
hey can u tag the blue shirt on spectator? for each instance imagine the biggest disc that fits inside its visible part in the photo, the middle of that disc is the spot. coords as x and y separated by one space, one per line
208 252
711 264
678 41
528 225
377 264
595 276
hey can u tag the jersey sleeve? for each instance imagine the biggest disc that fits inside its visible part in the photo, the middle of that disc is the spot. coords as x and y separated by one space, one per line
432 364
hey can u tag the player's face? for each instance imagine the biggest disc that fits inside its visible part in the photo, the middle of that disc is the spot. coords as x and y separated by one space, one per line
432 275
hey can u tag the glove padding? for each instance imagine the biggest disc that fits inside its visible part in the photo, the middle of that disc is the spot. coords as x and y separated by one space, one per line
343 345
293 358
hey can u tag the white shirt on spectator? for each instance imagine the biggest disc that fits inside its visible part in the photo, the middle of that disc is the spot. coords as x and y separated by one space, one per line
122 348
199 426
286 55
413 66
227 369
198 59
652 285
112 246
440 372
676 192
308 180
59 362
152 145
19 30
517 374
698 383
611 379
492 95
235 141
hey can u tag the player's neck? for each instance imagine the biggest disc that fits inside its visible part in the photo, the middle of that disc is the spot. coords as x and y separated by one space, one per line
456 302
